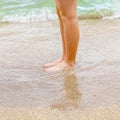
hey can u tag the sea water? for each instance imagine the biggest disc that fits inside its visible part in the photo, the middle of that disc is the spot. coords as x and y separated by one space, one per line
43 10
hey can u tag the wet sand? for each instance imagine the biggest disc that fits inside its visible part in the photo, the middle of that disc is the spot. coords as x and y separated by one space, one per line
48 114
90 91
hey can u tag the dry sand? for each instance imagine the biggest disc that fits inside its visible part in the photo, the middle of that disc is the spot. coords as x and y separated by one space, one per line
89 92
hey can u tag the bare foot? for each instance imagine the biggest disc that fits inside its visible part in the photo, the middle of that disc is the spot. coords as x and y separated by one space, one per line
59 67
53 63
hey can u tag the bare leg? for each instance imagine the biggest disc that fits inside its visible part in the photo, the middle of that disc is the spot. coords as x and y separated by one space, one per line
71 39
71 33
63 43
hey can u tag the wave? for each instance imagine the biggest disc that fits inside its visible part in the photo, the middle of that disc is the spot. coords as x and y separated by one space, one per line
30 11
48 14
43 14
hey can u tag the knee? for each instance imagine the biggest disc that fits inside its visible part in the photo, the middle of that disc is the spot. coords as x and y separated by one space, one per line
66 14
70 17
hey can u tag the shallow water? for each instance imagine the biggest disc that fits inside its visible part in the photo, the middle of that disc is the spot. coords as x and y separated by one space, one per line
94 82
43 10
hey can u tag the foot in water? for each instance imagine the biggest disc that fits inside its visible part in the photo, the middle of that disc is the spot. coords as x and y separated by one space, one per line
59 67
53 63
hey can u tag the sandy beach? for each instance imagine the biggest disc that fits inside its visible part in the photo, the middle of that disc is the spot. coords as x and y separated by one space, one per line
90 91
48 114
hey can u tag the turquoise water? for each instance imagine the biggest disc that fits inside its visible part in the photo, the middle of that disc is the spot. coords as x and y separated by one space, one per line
42 10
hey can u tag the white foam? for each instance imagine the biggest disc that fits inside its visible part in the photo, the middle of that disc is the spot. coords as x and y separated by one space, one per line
116 10
34 15
112 17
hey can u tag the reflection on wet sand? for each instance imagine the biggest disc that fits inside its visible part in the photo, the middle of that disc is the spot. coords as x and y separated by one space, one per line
71 94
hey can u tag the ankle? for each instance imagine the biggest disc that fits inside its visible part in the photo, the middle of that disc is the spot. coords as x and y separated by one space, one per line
70 63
